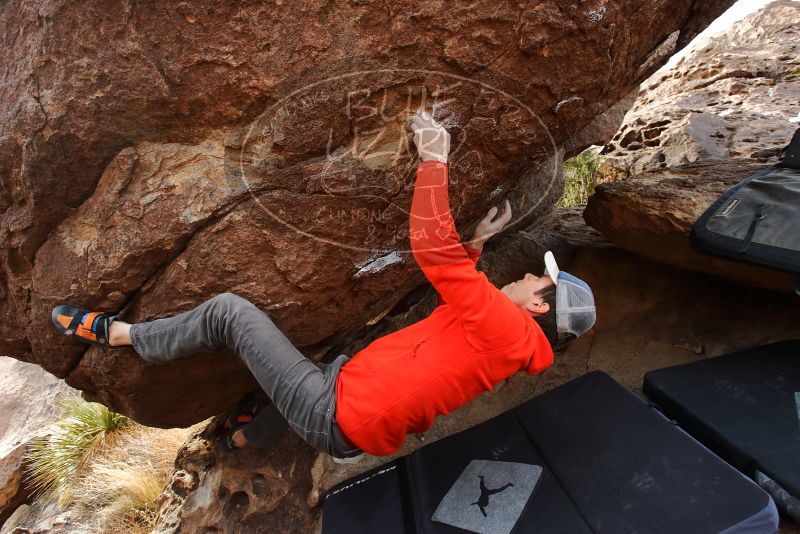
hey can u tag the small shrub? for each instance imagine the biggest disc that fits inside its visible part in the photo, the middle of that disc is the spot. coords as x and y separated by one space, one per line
118 490
580 176
102 466
55 459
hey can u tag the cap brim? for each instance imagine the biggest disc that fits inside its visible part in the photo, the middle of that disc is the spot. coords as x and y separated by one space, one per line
551 267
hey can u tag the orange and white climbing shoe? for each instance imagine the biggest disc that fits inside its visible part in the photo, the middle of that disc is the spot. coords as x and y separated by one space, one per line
89 327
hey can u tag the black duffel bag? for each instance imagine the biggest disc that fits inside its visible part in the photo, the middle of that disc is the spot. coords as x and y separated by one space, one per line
758 219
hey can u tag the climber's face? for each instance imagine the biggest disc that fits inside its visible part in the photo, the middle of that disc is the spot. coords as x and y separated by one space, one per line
525 293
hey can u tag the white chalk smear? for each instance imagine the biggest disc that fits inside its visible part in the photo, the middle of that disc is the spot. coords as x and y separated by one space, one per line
377 264
558 106
445 116
596 15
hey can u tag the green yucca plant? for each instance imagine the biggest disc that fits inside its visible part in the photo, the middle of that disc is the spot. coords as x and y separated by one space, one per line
580 175
55 459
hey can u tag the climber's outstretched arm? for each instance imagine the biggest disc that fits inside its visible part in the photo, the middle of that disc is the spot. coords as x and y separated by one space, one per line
435 242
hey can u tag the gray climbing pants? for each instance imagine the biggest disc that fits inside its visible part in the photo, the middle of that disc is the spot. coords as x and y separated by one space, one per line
302 393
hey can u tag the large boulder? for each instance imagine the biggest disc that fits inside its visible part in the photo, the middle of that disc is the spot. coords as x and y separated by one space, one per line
154 155
649 316
29 403
727 98
602 128
720 114
652 215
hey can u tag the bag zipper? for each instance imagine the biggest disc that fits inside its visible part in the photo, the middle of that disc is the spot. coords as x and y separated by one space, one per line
760 215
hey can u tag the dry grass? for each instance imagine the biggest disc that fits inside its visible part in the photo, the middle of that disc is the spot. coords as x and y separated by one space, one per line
118 489
104 467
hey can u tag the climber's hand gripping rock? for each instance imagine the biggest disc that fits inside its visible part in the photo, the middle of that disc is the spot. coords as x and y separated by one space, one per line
430 137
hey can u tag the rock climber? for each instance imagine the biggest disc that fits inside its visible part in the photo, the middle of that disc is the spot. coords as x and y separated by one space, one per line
477 336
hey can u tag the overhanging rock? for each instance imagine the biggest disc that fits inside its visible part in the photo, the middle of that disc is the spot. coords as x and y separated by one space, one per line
154 155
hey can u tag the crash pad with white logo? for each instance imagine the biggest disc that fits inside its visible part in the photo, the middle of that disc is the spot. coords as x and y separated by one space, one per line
489 496
586 457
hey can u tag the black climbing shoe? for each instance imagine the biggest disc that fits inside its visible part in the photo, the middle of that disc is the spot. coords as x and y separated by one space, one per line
225 441
241 416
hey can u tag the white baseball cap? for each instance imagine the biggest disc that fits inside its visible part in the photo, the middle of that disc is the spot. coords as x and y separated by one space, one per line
551 267
575 309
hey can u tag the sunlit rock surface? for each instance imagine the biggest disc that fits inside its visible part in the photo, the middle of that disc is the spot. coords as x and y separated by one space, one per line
718 116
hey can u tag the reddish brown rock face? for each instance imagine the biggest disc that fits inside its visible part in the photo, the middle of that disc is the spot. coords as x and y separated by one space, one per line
154 155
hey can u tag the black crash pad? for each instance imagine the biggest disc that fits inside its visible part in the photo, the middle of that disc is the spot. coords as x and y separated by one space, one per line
744 406
588 456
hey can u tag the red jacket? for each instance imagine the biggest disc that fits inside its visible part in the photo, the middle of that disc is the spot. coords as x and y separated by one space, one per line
476 338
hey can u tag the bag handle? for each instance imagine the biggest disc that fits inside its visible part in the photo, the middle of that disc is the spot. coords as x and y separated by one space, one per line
790 155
